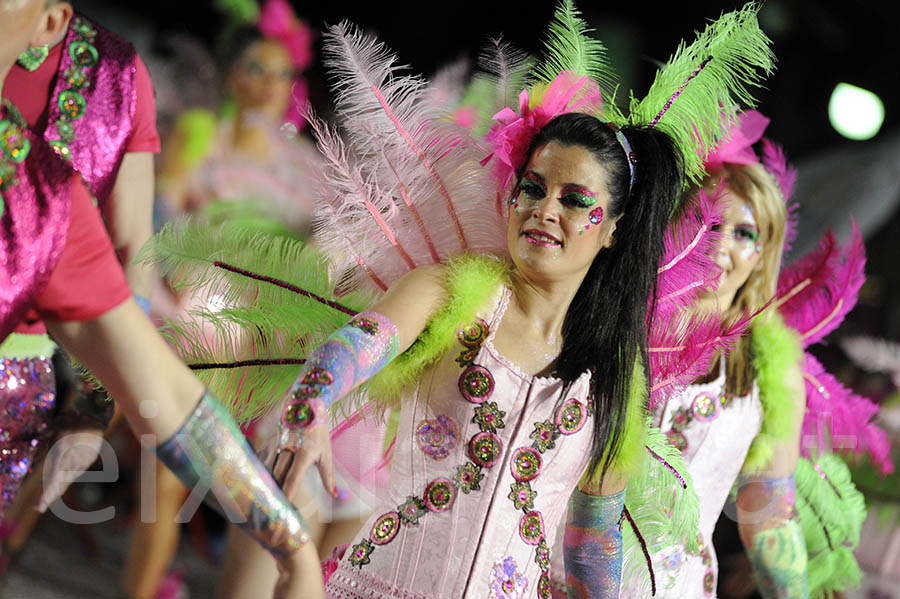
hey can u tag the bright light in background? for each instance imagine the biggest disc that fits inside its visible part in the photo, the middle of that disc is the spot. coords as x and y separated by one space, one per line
855 112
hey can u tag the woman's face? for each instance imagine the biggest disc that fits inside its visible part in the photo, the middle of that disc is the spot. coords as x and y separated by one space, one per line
558 213
739 251
261 78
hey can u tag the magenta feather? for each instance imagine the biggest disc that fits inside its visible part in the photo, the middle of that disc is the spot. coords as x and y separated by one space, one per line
840 419
687 268
775 162
816 292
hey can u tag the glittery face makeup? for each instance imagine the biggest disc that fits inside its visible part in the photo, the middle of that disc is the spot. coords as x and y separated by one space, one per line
740 249
557 211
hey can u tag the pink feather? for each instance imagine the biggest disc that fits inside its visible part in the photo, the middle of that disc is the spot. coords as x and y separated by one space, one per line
816 292
775 162
840 419
687 268
416 195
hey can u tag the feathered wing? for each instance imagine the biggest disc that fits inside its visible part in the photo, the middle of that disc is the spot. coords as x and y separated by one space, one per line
404 183
694 96
254 304
663 515
815 293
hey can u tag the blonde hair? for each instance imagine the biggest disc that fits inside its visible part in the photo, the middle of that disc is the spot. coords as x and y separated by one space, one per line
753 184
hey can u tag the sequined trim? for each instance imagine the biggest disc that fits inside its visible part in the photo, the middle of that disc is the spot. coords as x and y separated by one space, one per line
468 477
366 325
476 383
439 495
507 582
704 407
297 414
473 335
531 527
571 416
385 528
485 449
438 437
70 101
317 376
677 440
525 464
544 435
359 553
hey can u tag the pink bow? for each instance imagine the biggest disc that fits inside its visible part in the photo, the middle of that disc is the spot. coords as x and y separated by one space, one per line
512 135
737 148
278 21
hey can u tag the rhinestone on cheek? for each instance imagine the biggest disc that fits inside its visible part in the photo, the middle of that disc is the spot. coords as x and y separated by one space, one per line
485 449
571 416
473 335
531 528
476 384
525 464
385 528
439 495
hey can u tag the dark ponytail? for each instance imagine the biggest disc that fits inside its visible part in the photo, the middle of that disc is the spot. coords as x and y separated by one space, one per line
605 328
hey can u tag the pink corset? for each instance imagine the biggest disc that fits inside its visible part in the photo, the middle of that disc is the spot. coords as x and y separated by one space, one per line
485 461
714 433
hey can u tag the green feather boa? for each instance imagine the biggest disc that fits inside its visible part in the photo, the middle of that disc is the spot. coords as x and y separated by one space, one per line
776 350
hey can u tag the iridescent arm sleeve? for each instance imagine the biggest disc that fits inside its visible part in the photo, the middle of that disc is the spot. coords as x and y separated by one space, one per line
771 533
349 357
210 450
592 547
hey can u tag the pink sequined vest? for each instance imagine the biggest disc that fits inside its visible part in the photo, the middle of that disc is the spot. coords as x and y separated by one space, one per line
91 110
485 461
35 199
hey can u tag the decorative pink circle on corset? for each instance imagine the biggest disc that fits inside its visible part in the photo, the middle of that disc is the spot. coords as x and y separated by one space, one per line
525 464
385 528
485 449
531 528
473 335
437 437
571 416
439 495
476 384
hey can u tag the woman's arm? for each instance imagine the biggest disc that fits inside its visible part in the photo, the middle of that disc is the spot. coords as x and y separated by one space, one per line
767 517
349 357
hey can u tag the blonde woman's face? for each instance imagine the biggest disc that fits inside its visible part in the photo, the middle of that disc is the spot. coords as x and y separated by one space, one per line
740 248
261 79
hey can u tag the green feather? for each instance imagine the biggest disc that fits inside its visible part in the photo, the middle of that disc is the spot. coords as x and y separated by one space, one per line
246 318
241 11
836 506
735 52
570 47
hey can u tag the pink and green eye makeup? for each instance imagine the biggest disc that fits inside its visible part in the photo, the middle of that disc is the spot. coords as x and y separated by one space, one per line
580 197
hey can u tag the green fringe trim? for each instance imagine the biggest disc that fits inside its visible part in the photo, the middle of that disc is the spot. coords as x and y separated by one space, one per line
472 280
23 347
831 514
776 350
666 514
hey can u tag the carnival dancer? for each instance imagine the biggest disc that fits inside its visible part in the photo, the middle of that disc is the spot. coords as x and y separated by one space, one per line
59 265
518 376
742 424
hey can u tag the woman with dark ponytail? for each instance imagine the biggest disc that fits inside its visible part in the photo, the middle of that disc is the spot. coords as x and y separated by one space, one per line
517 366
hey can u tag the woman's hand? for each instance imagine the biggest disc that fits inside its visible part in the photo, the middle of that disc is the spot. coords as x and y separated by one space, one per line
72 453
294 451
300 576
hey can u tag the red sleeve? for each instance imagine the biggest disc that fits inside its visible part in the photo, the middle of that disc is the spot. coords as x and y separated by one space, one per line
88 280
144 136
